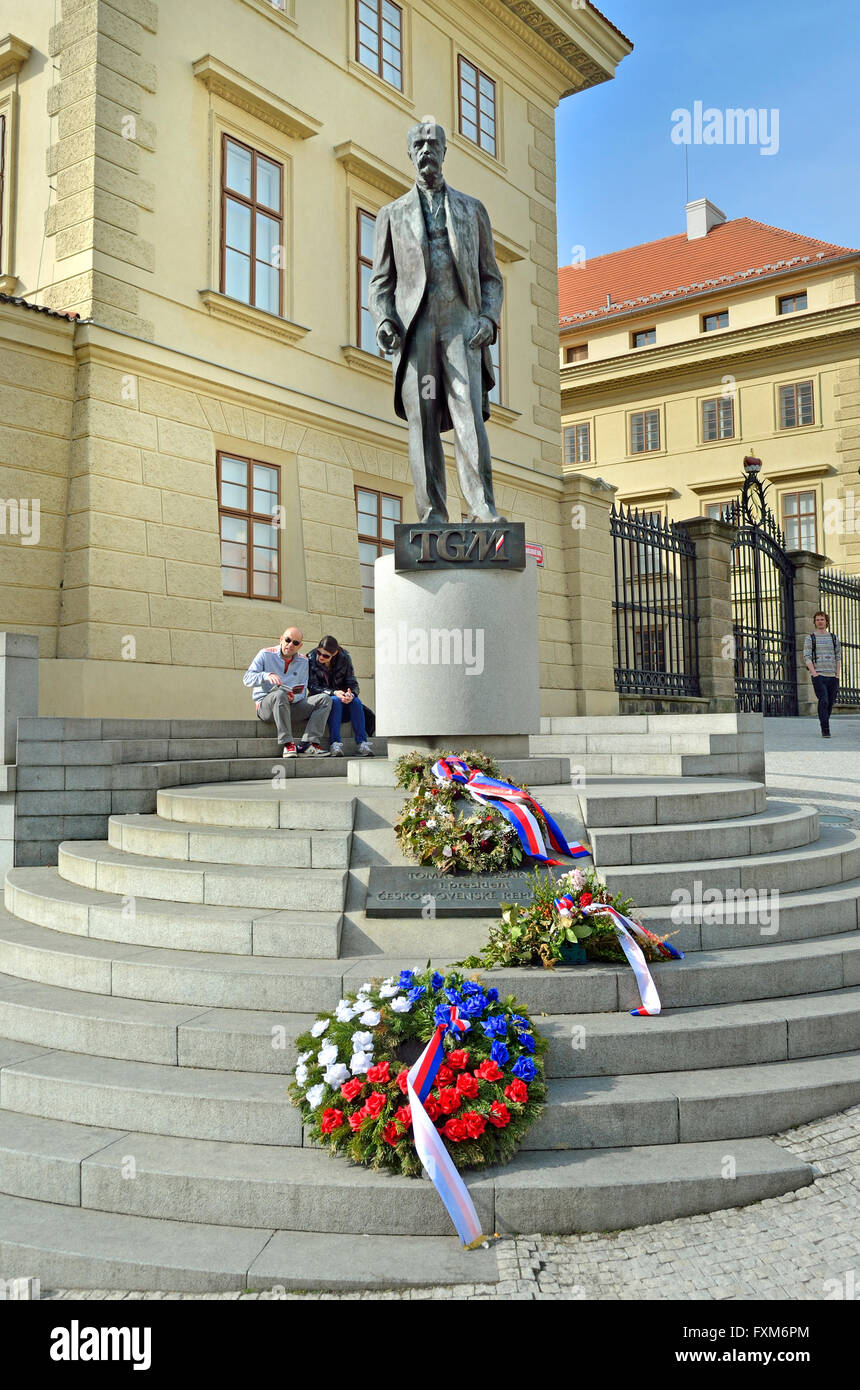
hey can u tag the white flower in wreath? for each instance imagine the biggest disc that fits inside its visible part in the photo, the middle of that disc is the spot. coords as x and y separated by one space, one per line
362 1042
319 1028
401 1004
336 1075
344 1011
428 796
370 1018
303 1056
388 989
447 851
327 1055
360 1062
302 1074
314 1095
431 825
365 988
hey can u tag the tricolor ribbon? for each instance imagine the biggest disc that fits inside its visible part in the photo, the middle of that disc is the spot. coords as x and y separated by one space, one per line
515 805
431 1149
627 931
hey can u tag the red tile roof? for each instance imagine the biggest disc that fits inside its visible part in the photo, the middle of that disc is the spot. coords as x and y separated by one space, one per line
38 308
674 268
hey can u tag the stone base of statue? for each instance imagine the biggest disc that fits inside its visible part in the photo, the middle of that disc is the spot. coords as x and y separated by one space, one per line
457 658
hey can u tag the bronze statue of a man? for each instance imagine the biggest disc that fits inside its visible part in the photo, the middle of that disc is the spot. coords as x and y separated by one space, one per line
436 296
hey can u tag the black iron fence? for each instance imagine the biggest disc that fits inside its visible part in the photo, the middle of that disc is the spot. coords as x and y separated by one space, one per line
655 642
839 595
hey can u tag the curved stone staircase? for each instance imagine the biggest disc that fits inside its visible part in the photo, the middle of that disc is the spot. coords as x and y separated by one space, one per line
153 984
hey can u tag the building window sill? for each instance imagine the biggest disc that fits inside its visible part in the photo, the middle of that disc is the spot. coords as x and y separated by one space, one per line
221 306
285 17
385 89
503 413
367 362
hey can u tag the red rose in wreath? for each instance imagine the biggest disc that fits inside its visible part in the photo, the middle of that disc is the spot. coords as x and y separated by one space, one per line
331 1120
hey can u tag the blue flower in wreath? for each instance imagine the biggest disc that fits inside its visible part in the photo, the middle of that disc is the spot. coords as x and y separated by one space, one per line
495 1026
441 1016
415 993
524 1068
454 997
406 978
472 987
499 1053
522 1022
474 1006
492 995
437 980
526 1042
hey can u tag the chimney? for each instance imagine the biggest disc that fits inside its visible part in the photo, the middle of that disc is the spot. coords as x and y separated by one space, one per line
702 215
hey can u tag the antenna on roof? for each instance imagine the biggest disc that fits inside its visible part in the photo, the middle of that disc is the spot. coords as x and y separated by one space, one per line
609 301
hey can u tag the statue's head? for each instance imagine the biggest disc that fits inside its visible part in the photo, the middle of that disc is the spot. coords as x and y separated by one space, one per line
426 144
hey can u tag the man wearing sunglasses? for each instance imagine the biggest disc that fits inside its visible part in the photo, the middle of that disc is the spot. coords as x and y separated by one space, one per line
330 672
279 680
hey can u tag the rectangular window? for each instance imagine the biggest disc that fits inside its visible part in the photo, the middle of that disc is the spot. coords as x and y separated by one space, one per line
649 649
365 330
716 510
718 418
377 514
644 431
249 511
791 303
252 227
477 106
379 39
577 443
796 405
643 337
798 520
577 353
712 321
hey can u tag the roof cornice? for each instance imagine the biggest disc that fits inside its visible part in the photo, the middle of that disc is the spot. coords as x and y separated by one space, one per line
581 45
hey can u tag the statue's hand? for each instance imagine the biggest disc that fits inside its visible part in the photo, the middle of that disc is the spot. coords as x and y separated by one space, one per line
482 334
388 337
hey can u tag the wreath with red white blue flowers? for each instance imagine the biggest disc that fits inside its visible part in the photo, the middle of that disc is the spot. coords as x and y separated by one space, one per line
350 1078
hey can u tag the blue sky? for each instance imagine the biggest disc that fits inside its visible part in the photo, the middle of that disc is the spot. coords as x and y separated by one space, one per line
621 178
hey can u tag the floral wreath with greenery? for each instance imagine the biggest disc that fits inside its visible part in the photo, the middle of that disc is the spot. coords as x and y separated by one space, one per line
430 831
536 934
350 1078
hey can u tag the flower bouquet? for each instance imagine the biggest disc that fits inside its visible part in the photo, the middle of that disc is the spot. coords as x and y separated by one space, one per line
538 934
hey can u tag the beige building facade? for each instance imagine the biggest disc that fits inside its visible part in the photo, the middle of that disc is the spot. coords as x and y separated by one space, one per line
209 447
681 357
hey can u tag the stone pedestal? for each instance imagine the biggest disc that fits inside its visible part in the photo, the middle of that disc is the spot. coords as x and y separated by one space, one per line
457 659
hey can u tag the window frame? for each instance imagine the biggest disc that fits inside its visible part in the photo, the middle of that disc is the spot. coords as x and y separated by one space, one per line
717 401
799 515
638 332
250 517
723 504
254 207
575 347
383 546
713 314
377 72
479 73
361 211
573 430
796 294
794 387
651 410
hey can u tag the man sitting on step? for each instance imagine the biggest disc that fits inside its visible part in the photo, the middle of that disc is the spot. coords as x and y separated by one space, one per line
279 680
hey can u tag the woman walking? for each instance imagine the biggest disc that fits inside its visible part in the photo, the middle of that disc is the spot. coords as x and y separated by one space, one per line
822 655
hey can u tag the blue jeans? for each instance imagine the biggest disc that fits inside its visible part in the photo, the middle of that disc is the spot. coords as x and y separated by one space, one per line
354 712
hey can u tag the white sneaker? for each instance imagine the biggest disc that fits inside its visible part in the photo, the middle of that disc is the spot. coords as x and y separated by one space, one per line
336 750
365 750
313 750
290 751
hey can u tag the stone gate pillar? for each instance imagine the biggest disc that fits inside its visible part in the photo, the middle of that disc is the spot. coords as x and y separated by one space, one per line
588 559
713 541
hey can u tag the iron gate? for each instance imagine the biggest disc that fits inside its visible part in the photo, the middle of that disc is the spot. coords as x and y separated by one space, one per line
762 607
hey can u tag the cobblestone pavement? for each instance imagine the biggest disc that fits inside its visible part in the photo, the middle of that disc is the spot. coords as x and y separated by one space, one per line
804 1245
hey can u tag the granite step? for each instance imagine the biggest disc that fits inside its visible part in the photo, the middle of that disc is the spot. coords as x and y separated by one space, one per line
254 1186
736 918
40 896
76 1248
781 826
612 801
96 864
262 805
580 1112
730 975
164 839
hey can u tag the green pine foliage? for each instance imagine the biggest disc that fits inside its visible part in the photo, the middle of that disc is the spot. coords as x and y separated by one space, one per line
385 1140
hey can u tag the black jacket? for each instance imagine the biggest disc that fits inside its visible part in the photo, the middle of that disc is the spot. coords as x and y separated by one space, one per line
339 676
